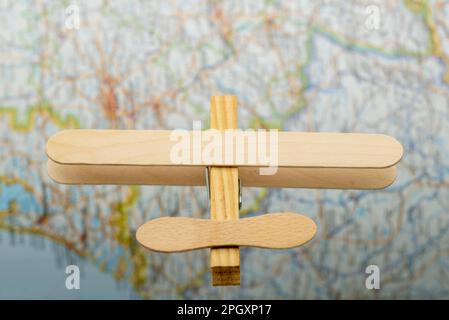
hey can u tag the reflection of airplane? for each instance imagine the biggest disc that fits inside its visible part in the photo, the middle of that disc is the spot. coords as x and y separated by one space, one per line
303 160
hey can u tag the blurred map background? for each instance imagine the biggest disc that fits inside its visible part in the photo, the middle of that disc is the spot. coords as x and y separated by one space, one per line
344 66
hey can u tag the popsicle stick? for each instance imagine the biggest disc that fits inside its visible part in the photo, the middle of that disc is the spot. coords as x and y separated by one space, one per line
326 178
273 231
224 195
154 147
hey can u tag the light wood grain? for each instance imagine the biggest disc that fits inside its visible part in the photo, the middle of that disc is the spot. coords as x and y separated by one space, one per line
325 178
224 195
295 149
272 231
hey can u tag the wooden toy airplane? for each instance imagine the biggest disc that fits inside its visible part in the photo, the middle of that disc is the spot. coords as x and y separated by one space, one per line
303 160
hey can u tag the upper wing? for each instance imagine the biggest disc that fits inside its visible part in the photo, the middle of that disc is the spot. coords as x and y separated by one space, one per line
291 149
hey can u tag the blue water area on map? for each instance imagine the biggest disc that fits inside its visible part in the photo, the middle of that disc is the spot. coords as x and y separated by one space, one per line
17 193
29 270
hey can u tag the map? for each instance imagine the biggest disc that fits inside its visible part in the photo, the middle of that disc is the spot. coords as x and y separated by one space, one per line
323 66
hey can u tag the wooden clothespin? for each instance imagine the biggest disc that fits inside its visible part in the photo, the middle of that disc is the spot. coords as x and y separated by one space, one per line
224 195
303 160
